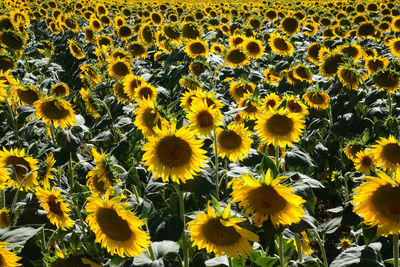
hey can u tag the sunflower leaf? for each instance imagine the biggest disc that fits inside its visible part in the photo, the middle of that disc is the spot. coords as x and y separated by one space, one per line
18 235
359 256
298 158
223 260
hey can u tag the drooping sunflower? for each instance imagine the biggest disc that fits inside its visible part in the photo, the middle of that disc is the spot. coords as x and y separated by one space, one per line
280 45
237 57
238 89
263 200
6 218
294 105
302 73
18 165
203 119
280 127
190 30
147 118
290 25
373 64
12 40
377 201
25 94
8 259
119 69
317 99
272 77
291 79
353 51
313 53
57 210
91 72
174 154
196 48
387 79
116 228
76 49
330 64
349 77
394 46
131 83
364 161
89 103
197 67
45 174
252 107
145 92
55 111
146 34
59 90
137 50
254 48
271 100
234 142
220 234
387 153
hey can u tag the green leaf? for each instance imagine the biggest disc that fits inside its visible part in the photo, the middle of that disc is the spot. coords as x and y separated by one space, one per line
217 261
267 262
165 228
362 256
18 235
298 158
267 163
163 251
369 234
103 136
330 226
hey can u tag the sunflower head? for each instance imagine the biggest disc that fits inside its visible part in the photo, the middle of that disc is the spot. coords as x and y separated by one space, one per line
317 99
387 79
290 25
394 46
196 48
26 94
294 105
330 64
59 90
387 153
137 50
364 161
237 57
203 119
272 77
76 49
349 77
55 111
197 67
375 63
254 47
6 62
12 40
119 69
280 45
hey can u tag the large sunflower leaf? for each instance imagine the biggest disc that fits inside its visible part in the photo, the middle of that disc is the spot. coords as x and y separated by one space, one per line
362 256
18 235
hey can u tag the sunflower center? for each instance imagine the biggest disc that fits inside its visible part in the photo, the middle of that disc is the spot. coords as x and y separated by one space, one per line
349 77
241 89
121 69
112 225
145 92
253 48
271 103
303 73
216 233
12 40
317 98
20 165
59 90
6 63
236 56
391 153
386 200
331 64
53 110
267 200
250 107
173 151
366 161
28 96
386 79
137 49
351 51
197 48
229 140
294 106
124 31
290 25
54 205
280 125
281 44
374 65
394 208
204 119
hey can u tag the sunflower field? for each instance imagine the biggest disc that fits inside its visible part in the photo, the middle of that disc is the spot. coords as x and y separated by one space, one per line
199 133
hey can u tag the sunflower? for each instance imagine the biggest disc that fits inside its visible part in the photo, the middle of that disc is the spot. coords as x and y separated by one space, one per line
234 142
352 148
172 32
280 45
254 47
190 30
290 25
198 67
95 24
364 161
122 97
251 105
104 40
394 46
395 24
387 153
6 218
8 259
365 29
91 72
59 90
237 57
353 51
6 62
137 50
6 79
12 40
375 63
289 73
89 103
280 127
116 228
310 28
217 48
263 200
145 34
188 97
317 99
238 89
57 210
119 69
55 111
25 94
349 77
98 182
156 18
147 118
190 83
220 234
236 39
196 48
313 53
330 64
272 77
45 173
387 79
174 154
145 92
203 119
131 83
76 49
294 105
18 166
271 100
124 32
302 73
377 201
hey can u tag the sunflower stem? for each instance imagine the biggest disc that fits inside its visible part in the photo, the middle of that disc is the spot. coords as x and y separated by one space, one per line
44 244
182 216
277 157
396 250
18 189
71 171
216 163
298 245
321 246
390 104
82 224
150 249
281 255
13 122
330 115
53 136
230 262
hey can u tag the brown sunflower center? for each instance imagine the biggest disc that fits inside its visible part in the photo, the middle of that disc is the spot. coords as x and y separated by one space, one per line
205 119
112 225
124 31
28 96
216 233
280 125
303 73
145 92
197 48
351 51
54 205
366 161
236 56
253 48
59 90
96 24
121 69
267 200
290 25
241 89
349 77
6 63
386 79
317 98
375 65
147 34
229 140
391 153
271 103
12 40
173 151
149 118
386 201
250 107
281 44
396 46
54 110
294 107
20 165
137 49
331 64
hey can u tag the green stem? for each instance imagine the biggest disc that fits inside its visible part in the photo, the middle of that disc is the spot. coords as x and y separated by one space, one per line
216 163
71 171
321 246
44 244
53 138
277 157
13 122
390 103
150 249
82 224
182 216
230 262
17 193
396 250
330 115
281 256
298 245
